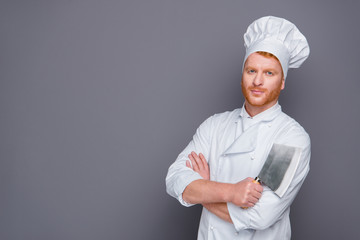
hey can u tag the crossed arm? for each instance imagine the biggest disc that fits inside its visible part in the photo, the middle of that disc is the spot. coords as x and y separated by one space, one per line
214 195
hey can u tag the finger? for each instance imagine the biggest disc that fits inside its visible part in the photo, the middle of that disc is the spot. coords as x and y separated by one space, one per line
254 198
194 163
203 160
259 188
198 160
257 195
188 164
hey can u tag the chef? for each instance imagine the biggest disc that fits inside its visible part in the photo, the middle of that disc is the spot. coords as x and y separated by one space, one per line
228 149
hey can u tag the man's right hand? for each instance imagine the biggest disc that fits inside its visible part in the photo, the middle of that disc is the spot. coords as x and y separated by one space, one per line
246 193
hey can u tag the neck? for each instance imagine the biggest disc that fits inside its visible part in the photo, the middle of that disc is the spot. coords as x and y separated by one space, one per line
255 110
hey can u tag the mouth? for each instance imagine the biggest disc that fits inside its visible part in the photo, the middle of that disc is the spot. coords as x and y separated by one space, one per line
257 91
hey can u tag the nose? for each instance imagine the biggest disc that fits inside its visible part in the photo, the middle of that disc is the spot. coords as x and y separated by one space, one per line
258 80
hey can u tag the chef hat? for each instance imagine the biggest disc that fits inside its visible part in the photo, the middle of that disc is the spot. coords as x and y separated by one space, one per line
279 37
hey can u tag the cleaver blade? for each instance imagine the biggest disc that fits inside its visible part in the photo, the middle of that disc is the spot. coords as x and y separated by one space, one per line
280 167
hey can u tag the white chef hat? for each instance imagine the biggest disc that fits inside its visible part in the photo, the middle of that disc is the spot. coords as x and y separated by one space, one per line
279 37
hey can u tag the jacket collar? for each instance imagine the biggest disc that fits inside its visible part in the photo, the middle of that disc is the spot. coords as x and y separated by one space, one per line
265 116
247 140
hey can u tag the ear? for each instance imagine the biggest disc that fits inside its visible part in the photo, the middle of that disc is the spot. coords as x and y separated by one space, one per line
282 83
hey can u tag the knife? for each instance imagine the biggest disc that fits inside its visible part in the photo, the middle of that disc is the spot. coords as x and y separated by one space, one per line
279 168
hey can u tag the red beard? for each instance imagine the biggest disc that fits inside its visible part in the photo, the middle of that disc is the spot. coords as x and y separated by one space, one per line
262 100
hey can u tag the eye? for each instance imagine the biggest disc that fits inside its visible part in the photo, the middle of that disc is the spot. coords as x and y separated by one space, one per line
269 73
251 71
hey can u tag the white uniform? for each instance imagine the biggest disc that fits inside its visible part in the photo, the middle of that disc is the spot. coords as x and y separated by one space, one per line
236 146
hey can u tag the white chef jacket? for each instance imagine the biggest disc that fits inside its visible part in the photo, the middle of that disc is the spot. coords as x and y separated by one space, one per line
236 146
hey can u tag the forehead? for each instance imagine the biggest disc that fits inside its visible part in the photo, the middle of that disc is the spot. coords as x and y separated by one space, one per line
257 60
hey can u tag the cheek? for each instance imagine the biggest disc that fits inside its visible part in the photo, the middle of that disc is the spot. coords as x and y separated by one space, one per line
245 81
242 82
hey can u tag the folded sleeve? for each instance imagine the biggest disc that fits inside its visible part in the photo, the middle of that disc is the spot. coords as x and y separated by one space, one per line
179 176
271 208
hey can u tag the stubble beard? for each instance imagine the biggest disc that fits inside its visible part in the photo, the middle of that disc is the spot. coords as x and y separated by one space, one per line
260 101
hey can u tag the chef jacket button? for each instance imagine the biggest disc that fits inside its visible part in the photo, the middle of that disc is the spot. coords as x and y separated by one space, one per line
269 125
211 227
252 157
236 233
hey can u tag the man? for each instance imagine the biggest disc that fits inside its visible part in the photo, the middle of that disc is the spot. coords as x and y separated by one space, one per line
230 148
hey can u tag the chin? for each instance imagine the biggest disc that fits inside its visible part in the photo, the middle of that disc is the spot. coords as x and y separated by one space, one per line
256 102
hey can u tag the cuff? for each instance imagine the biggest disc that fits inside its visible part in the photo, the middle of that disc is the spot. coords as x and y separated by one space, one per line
239 216
182 184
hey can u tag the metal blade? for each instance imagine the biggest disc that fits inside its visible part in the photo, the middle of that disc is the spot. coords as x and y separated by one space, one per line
276 165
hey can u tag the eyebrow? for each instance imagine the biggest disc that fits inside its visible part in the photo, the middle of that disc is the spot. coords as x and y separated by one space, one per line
265 69
271 70
249 67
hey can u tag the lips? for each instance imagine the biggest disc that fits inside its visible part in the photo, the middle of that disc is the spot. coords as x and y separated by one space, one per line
257 91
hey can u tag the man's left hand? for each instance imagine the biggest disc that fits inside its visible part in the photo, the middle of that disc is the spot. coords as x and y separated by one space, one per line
199 165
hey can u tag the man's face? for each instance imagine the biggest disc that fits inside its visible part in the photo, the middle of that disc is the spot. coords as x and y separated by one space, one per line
262 81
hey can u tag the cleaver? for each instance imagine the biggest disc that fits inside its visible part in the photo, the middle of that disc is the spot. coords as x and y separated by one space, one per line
279 168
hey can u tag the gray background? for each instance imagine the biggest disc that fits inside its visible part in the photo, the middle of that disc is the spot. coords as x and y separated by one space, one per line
97 99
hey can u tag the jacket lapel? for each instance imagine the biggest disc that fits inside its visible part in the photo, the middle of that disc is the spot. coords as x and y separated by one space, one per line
246 142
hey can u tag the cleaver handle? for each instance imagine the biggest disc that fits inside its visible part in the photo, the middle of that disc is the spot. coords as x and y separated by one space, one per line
256 180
